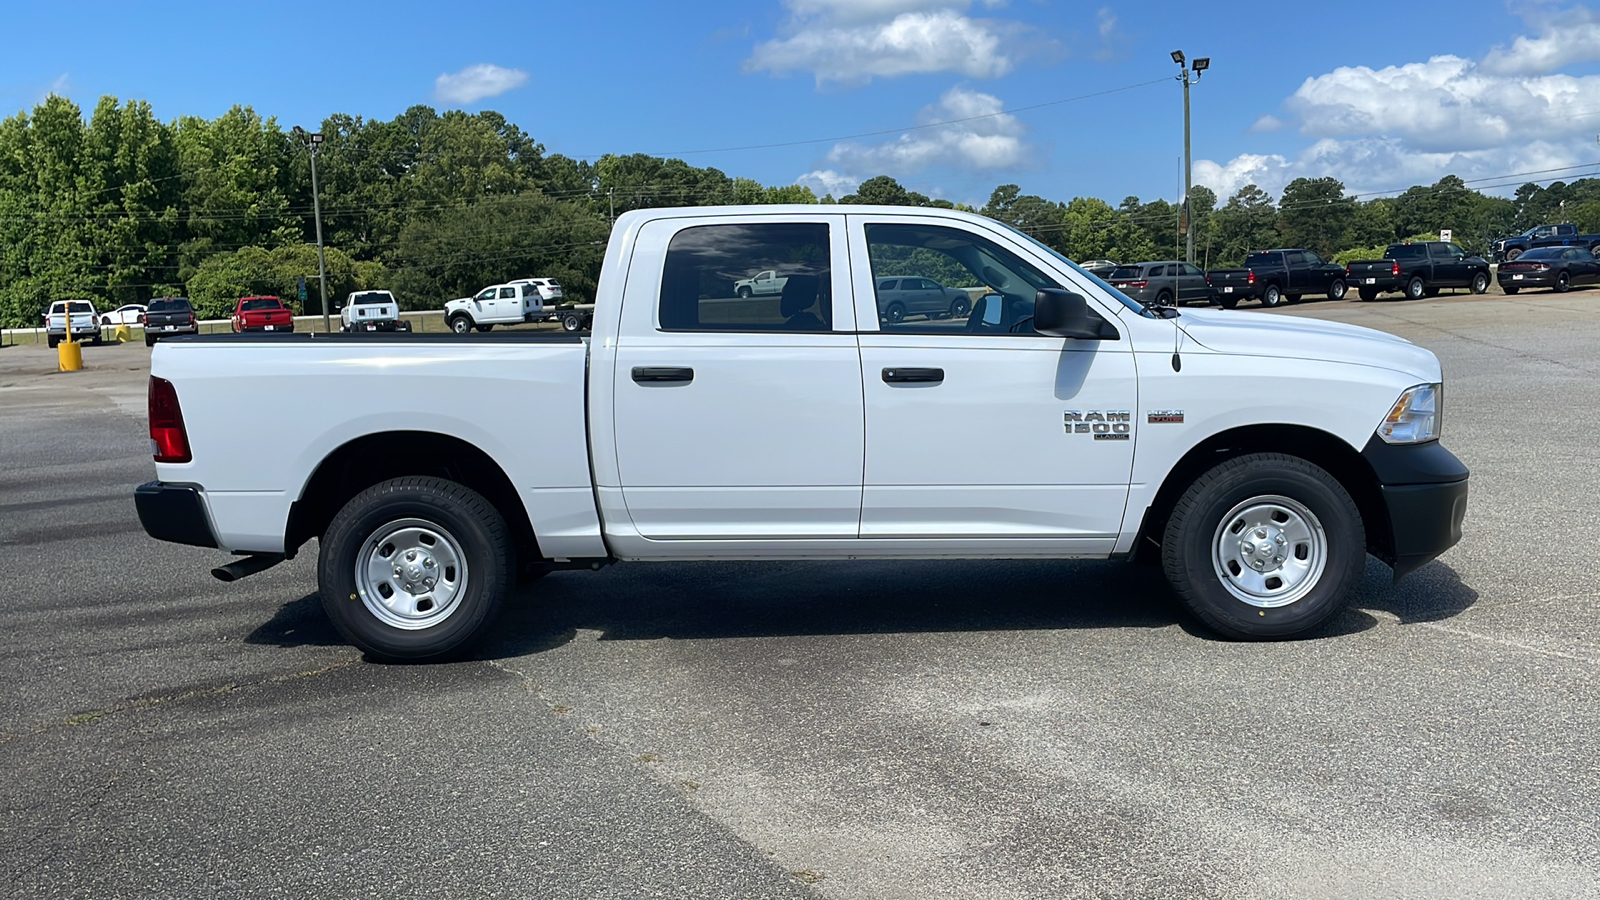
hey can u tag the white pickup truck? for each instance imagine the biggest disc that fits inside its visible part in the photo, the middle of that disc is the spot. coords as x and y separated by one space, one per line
1258 458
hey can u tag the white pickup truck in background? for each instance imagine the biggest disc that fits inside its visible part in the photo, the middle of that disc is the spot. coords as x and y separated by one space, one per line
85 321
1259 458
364 311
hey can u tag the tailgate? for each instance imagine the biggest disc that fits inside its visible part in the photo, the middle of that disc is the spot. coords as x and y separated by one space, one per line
1231 277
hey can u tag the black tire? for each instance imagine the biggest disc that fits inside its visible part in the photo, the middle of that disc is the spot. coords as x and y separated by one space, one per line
460 324
446 508
1415 289
98 339
1512 254
960 307
149 340
1193 565
1228 301
1563 283
895 312
571 323
1338 289
52 340
1271 296
1164 299
1430 292
484 329
1292 298
1480 283
1367 294
1595 249
403 325
744 292
105 321
1511 290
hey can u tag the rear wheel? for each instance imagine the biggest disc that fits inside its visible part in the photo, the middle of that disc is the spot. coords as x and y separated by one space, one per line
960 307
895 312
1264 546
1430 292
484 328
1368 294
1415 288
1511 290
414 568
1228 301
571 323
1337 289
1164 299
1480 283
1563 283
52 340
149 340
460 324
1271 296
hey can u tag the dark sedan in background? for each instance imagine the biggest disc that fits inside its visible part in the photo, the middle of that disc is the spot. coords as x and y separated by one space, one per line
1557 268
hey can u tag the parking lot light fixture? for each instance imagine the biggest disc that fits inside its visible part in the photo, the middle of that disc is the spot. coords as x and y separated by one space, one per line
1200 65
1177 57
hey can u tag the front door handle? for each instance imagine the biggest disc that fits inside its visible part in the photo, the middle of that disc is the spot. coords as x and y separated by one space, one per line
663 374
913 376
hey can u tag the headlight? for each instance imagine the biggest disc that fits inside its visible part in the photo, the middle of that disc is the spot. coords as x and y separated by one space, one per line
1416 416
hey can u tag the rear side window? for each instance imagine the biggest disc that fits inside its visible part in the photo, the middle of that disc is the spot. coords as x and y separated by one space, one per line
707 283
1156 272
1406 251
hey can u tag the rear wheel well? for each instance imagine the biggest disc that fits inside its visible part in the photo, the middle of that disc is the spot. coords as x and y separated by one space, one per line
1319 448
373 458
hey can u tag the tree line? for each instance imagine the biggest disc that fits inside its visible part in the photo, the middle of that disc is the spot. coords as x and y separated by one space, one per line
120 207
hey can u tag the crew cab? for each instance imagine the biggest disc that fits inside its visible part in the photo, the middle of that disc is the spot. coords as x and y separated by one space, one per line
168 316
1276 276
262 314
1057 419
1418 269
1563 235
78 314
511 303
768 282
364 311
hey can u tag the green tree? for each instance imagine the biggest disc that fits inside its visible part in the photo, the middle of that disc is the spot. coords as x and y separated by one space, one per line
1247 222
1314 213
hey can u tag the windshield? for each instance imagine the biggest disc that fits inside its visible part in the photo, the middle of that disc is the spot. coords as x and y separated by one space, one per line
262 303
168 305
1119 296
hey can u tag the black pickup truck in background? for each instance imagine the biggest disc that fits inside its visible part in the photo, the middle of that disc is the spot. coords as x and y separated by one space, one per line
167 316
1418 270
1565 235
1276 275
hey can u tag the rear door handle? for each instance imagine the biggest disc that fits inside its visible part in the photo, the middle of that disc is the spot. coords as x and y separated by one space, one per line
913 376
663 374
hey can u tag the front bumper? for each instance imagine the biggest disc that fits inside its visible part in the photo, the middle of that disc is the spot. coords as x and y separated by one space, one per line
174 512
1424 490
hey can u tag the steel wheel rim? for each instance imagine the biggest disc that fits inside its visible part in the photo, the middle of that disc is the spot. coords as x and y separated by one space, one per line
1269 551
411 574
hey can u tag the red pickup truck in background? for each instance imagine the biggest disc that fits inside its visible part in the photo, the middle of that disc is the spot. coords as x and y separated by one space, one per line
262 314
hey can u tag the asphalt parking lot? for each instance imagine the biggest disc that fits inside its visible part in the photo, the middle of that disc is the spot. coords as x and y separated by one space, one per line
842 730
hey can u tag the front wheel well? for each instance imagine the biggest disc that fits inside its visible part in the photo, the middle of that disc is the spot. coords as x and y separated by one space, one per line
373 458
1319 448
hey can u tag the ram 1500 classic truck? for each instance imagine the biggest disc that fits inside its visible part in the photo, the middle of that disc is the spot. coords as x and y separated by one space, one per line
1565 235
262 314
1418 269
1259 459
1276 276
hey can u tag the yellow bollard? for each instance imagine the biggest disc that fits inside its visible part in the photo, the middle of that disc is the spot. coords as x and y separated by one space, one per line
124 333
69 355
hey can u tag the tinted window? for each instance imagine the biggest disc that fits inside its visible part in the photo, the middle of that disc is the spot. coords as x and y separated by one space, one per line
1294 259
176 304
508 293
700 284
1313 260
1124 273
1263 259
889 284
262 303
998 287
1156 272
1406 251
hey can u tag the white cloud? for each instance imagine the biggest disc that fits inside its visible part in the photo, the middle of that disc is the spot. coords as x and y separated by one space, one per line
60 86
1268 123
853 42
1566 36
477 82
826 181
993 141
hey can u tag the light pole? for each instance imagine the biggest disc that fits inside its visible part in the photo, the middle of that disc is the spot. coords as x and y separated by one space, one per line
314 141
1200 65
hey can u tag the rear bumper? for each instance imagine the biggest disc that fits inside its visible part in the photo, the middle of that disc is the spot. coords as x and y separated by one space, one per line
1424 489
1379 283
175 513
286 329
1528 280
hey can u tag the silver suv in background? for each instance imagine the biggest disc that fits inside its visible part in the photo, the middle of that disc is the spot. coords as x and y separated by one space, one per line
1167 282
915 296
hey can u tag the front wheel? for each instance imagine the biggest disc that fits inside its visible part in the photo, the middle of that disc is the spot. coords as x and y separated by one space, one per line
1511 255
1480 283
414 568
744 293
460 324
1264 546
1337 289
1271 296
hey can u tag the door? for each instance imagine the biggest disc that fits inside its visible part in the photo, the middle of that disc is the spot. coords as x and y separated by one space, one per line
1319 275
977 433
739 418
1192 284
1449 265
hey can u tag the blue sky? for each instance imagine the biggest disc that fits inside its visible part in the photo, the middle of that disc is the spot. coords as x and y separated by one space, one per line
1485 90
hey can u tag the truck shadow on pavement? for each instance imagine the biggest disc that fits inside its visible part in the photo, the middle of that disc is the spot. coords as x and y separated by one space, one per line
732 600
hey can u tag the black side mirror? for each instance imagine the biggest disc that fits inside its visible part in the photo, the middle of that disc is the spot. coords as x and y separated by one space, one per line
1064 314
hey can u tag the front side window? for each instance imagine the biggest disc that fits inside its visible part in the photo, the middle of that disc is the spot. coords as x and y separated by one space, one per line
1293 259
977 286
488 294
1313 260
768 277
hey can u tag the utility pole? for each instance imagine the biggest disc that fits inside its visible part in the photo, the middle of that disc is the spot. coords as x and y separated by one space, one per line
314 141
1200 65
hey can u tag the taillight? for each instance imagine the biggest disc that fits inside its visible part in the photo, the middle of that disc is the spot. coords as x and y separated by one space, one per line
1347 271
1251 277
169 442
1130 284
1394 269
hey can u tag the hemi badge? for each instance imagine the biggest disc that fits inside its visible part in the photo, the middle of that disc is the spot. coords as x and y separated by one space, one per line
1165 417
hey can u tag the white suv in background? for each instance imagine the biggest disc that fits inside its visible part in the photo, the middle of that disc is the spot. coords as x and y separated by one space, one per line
549 289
